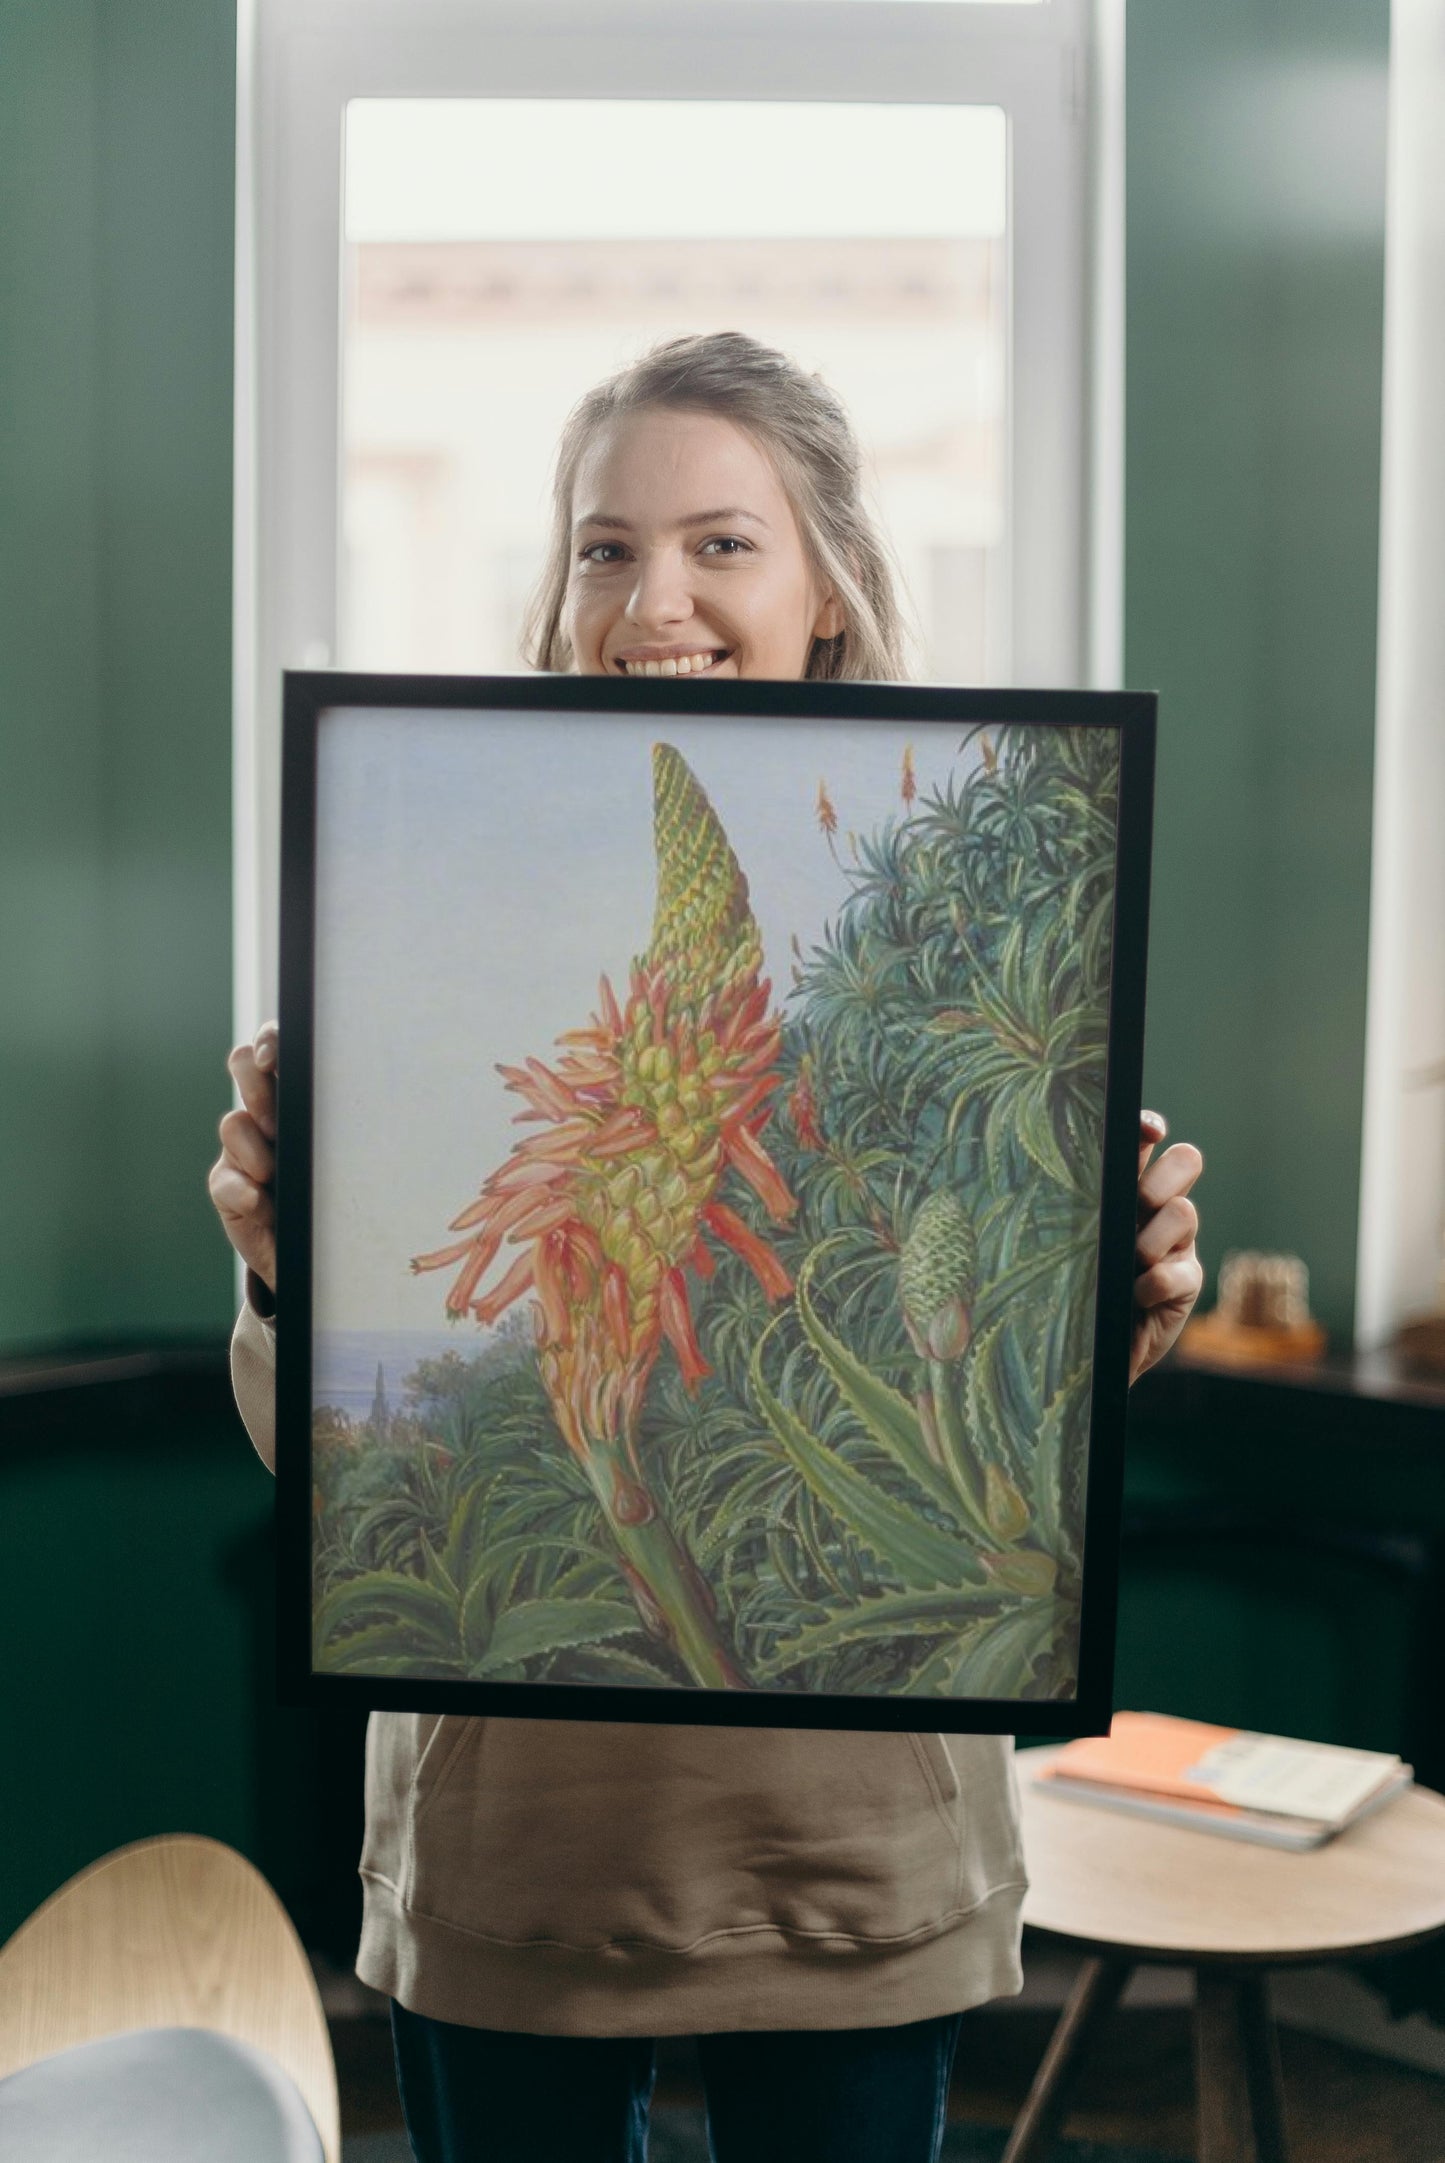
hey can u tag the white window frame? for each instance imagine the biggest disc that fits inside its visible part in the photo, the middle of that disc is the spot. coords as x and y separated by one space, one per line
1056 69
1402 1166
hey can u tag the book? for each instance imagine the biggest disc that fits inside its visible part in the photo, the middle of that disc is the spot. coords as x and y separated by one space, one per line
1266 1828
1269 1788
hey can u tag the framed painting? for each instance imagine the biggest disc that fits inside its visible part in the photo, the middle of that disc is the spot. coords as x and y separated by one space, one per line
708 1137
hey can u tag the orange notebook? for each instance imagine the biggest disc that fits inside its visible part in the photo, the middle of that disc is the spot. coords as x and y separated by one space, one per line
1155 1754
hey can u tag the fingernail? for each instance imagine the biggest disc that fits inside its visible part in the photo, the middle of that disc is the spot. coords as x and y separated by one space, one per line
1157 1121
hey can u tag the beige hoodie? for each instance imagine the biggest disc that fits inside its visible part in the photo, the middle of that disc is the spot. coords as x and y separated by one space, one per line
582 1878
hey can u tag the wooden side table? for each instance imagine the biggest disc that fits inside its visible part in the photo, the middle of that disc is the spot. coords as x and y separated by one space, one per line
1125 1891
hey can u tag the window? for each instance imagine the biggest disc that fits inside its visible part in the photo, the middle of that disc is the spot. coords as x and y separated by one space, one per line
1402 1191
503 255
450 213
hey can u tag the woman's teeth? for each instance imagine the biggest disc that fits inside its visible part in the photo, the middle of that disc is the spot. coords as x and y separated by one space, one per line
686 664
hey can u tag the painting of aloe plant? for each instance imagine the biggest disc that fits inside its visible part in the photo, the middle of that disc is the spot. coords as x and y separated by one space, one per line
766 1337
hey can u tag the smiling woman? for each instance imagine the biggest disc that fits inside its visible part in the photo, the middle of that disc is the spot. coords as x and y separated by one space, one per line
676 592
789 578
541 1898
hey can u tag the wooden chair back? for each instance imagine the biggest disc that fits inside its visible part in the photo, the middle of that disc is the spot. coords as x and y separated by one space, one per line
175 1932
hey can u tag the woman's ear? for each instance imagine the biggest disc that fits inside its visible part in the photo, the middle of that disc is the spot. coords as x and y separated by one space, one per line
830 619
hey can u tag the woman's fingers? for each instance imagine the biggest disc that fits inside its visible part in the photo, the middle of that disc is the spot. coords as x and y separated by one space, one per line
238 1199
1174 1282
1172 1174
1171 1227
244 1145
1169 1276
1153 1129
247 1215
253 1069
240 1180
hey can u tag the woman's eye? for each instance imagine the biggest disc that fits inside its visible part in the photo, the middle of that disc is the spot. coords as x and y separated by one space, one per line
726 544
602 552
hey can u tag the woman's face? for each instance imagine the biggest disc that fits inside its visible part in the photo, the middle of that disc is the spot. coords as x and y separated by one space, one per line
686 557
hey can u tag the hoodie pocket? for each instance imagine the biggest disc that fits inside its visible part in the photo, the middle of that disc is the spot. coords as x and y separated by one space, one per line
452 1738
669 1836
404 1753
939 1775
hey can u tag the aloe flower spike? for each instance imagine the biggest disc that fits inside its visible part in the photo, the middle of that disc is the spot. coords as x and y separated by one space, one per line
645 1113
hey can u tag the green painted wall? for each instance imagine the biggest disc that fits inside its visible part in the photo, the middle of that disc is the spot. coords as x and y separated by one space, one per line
136 1551
1284 1636
52 1157
116 133
125 1572
1255 267
137 1571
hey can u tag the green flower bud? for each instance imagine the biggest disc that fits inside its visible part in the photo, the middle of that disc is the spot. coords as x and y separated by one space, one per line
937 1278
1004 1507
1024 1571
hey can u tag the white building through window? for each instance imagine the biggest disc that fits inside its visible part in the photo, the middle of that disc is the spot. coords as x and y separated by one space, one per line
504 255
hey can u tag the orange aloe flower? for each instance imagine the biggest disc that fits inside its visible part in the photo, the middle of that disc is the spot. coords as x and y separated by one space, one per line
910 779
610 1205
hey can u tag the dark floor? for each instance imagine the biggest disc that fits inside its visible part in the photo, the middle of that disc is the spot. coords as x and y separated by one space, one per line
1343 2105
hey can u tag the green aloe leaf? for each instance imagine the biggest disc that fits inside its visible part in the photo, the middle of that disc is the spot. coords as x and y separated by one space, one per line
1002 1658
493 1580
1058 1434
390 1595
887 1615
615 1663
986 1430
903 1542
538 1626
436 1574
997 1295
383 1648
888 1416
478 1609
1035 1129
938 1674
465 1530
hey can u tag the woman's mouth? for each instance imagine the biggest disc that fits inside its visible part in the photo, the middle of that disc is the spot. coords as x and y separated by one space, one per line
680 664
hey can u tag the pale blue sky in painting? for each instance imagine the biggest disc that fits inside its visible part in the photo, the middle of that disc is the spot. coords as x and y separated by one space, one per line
477 873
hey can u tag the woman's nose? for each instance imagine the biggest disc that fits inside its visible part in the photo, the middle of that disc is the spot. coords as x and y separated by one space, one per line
661 595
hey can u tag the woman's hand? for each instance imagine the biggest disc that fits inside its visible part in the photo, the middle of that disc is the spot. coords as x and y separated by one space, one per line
241 1178
1168 1275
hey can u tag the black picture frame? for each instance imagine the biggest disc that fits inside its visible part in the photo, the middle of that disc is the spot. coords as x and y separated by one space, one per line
915 710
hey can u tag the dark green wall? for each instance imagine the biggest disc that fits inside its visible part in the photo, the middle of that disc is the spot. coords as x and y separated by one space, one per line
126 1571
52 1034
116 157
1255 266
138 1692
136 1550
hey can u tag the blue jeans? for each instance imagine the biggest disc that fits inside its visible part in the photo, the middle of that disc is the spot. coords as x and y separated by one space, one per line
833 2095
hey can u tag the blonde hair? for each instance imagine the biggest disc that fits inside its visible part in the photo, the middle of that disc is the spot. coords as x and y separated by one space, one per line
806 431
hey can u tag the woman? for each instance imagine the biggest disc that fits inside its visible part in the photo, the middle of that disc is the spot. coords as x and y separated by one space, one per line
543 1898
